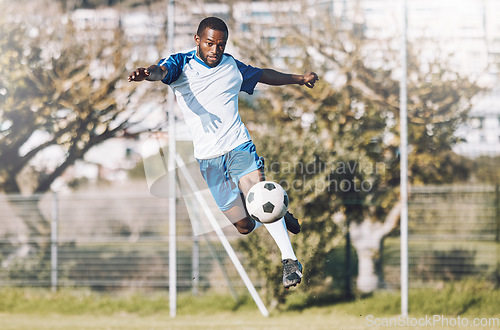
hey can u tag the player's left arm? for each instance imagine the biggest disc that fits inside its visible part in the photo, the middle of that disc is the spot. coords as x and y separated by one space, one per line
275 78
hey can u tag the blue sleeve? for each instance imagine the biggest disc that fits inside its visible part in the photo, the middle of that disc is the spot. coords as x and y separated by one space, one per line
250 75
174 64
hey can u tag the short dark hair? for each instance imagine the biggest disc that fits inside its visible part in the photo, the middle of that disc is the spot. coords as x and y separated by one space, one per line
213 23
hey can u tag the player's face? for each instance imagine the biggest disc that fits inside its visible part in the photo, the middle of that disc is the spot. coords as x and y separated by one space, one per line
210 46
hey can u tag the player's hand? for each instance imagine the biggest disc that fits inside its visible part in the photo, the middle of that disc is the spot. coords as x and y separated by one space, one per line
139 75
309 79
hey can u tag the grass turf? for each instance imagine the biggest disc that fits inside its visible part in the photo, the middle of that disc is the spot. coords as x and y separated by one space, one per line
83 309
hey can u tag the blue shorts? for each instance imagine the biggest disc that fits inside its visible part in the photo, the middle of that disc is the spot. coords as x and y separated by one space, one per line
223 173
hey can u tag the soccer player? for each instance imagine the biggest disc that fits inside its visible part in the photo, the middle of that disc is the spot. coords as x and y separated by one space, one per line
206 82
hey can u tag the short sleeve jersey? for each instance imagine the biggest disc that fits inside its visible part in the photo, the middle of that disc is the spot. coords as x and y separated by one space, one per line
208 98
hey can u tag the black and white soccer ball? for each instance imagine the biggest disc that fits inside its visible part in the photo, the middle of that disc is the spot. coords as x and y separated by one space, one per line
267 202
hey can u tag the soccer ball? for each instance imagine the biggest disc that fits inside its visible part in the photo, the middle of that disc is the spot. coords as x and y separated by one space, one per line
267 202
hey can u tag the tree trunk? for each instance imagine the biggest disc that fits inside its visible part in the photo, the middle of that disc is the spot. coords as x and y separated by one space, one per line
367 238
37 237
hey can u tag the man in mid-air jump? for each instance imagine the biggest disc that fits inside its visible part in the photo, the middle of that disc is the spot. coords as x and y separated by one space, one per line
206 82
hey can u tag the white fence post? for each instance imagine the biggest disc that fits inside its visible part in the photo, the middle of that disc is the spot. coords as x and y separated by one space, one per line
172 288
497 236
54 242
196 259
403 118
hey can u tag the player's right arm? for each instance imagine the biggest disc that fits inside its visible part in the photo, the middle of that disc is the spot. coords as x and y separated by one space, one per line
153 73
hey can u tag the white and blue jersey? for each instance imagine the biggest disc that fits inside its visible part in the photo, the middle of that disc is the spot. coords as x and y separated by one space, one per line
208 98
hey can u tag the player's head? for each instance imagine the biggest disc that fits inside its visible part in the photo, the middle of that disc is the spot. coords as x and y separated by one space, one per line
212 23
211 38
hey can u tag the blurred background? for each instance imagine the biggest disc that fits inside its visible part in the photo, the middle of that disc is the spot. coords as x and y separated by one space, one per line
76 137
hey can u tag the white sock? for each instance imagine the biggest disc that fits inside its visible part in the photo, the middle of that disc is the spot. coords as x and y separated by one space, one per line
279 233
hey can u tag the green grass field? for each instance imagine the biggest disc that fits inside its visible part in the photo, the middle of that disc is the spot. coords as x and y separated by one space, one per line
84 309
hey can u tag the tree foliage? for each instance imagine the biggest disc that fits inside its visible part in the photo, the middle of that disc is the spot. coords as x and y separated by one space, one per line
341 138
62 91
334 148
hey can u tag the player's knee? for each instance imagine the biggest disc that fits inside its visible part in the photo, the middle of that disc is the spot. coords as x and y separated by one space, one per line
245 227
244 231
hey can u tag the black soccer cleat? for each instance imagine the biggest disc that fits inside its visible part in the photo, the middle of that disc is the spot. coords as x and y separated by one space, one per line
292 224
292 273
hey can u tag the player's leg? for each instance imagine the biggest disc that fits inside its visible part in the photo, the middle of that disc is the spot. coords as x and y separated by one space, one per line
277 229
243 160
226 193
240 218
254 173
292 223
292 269
244 167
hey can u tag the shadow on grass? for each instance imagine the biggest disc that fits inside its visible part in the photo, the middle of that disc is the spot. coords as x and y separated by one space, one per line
242 301
318 300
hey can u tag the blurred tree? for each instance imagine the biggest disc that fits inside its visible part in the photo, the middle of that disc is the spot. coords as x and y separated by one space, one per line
62 92
335 148
486 170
